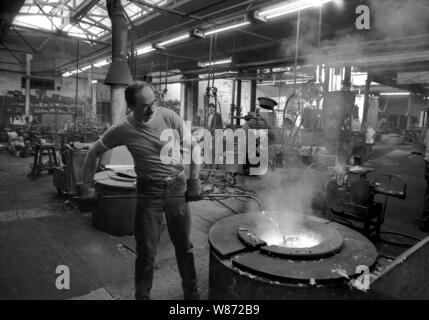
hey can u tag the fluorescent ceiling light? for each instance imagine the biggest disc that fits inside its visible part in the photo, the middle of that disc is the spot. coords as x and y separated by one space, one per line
101 63
395 93
145 49
86 67
175 40
290 7
232 26
67 74
94 81
214 63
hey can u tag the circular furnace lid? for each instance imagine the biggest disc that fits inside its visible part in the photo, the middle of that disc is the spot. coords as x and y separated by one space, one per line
110 179
312 240
335 258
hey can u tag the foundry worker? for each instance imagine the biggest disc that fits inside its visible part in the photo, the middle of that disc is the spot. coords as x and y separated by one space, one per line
214 119
140 131
424 221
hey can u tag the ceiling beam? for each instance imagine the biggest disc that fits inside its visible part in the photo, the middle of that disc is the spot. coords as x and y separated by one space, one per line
11 53
95 23
58 33
83 11
388 81
36 2
171 11
23 39
44 44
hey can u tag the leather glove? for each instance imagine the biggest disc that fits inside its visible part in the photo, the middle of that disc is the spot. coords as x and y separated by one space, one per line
87 192
88 197
193 190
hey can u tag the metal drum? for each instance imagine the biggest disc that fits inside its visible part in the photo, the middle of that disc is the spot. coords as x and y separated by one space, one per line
114 216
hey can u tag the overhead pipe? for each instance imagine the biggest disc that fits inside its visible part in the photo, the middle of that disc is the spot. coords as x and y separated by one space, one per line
118 76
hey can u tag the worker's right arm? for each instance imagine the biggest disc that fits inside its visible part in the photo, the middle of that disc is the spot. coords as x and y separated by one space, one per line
89 169
113 137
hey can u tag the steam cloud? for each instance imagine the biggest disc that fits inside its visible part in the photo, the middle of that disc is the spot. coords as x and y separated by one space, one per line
287 196
390 20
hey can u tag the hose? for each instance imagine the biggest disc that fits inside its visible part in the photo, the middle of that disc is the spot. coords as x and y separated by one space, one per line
386 256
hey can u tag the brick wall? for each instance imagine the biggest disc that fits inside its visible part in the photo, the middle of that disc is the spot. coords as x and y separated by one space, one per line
224 95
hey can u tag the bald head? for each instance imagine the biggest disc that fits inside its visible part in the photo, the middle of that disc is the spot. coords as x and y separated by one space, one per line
139 93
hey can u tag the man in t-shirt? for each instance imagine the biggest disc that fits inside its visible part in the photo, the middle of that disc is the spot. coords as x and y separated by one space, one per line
214 119
424 221
140 131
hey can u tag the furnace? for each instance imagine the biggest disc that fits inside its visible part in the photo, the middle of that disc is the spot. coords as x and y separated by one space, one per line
254 257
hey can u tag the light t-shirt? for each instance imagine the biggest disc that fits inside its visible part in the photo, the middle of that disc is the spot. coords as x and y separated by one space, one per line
210 120
144 143
426 142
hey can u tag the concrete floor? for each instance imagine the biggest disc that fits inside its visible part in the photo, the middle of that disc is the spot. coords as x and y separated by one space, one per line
37 235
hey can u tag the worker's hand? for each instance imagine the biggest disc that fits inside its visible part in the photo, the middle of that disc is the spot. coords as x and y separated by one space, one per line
87 192
88 198
193 191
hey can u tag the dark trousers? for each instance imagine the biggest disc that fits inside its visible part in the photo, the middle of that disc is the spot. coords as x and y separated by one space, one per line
425 215
148 224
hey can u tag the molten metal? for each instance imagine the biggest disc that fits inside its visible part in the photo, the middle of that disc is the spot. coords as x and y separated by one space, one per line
301 239
295 239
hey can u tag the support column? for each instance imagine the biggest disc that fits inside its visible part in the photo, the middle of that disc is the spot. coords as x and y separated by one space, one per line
327 79
239 82
28 58
232 101
253 94
94 98
347 82
366 103
409 118
195 92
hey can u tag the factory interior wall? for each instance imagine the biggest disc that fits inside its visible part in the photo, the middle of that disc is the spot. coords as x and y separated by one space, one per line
399 108
43 103
224 94
102 91
373 110
11 81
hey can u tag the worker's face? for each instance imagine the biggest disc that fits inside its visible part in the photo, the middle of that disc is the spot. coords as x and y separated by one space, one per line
211 110
145 102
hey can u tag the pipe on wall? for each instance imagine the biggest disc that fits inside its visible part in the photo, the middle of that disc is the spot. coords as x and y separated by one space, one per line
28 58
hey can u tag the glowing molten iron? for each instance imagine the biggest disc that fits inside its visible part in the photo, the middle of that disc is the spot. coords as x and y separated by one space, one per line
295 239
301 239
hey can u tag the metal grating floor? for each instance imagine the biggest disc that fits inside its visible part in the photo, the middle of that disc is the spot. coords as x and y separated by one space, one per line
99 294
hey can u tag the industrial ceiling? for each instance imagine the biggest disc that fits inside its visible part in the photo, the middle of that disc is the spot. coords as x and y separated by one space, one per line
71 30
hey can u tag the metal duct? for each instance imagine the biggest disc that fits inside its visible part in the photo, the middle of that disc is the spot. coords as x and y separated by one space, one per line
119 75
119 72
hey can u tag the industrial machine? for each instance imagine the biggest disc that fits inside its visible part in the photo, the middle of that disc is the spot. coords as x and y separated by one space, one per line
353 200
252 256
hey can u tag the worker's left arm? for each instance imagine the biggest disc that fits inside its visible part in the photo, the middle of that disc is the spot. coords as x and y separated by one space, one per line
193 190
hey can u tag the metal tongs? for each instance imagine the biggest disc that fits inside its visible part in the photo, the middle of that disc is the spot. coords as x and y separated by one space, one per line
92 205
